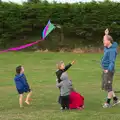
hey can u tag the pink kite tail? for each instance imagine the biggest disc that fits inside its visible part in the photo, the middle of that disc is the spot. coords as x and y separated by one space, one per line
21 47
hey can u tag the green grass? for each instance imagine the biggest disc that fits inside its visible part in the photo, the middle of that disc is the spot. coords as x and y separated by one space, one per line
40 71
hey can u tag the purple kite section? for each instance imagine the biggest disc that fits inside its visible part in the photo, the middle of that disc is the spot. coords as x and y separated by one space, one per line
45 30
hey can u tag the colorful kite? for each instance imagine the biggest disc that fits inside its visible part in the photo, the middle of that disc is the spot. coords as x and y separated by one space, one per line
49 27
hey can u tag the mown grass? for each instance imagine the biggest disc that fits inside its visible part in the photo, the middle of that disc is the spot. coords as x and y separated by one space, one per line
40 70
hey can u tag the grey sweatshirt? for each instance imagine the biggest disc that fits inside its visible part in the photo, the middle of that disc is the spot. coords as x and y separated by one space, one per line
65 85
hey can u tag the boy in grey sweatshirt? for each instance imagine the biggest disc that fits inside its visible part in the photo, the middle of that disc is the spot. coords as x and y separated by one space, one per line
64 84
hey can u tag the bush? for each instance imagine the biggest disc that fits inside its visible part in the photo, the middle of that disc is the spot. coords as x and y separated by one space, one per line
82 23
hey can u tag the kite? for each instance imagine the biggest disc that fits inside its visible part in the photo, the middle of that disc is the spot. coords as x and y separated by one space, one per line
49 27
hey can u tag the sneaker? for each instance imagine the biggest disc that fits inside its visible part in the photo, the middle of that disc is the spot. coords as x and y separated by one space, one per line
116 102
62 108
106 105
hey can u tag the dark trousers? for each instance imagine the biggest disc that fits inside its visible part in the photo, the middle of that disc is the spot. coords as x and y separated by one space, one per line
59 99
65 102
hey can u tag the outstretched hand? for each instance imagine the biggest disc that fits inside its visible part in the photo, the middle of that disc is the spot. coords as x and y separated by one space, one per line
107 31
73 62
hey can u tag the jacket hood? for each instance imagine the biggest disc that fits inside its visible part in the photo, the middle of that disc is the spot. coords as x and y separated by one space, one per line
18 76
114 45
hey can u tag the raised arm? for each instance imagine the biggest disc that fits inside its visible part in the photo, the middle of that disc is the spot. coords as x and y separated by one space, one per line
59 72
69 65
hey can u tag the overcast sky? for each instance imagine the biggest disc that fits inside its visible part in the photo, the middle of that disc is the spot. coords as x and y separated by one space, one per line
71 1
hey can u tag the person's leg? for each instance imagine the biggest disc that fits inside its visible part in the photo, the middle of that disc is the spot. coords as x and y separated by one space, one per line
67 102
28 97
59 99
115 99
108 87
21 100
109 97
63 102
114 96
111 94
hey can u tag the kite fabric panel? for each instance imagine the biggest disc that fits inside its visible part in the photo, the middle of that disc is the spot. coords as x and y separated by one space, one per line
49 27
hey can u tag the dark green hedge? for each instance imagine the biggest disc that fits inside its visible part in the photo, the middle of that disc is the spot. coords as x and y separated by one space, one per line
82 23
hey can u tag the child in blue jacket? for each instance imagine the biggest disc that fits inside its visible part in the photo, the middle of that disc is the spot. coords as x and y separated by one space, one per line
22 86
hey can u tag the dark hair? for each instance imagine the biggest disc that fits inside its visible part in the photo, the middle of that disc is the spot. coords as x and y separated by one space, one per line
18 69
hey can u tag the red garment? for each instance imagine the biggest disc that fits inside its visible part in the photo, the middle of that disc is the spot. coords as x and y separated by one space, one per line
76 101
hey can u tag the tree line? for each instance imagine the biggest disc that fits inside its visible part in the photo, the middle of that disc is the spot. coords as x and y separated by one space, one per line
81 23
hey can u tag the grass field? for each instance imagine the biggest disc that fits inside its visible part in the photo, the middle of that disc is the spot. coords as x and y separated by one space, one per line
40 71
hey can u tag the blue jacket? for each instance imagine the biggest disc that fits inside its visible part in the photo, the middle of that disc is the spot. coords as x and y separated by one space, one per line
21 82
108 60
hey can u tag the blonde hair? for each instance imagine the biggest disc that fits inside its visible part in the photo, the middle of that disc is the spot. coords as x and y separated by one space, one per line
59 64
